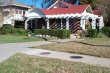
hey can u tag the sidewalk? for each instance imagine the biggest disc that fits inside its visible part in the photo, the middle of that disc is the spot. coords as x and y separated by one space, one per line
67 56
9 49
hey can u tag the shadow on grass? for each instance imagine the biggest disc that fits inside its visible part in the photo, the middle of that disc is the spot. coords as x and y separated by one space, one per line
91 44
54 41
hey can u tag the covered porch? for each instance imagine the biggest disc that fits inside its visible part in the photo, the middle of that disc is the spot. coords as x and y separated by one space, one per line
72 22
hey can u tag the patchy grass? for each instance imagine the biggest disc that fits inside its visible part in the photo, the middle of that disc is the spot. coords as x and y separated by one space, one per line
14 39
95 47
21 63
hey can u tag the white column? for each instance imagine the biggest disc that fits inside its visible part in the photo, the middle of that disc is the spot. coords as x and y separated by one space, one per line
82 24
93 23
48 27
101 22
61 24
67 23
26 24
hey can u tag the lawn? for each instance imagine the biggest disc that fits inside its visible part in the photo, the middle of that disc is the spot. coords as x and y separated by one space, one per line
14 39
21 63
96 47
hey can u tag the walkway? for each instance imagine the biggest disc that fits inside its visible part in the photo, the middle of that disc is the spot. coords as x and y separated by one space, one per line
70 57
7 50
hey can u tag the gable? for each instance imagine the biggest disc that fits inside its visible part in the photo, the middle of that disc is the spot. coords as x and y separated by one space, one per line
88 9
60 4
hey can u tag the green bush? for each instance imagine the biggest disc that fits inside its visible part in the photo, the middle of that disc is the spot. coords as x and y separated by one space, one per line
41 31
21 31
53 32
92 33
106 31
7 29
0 31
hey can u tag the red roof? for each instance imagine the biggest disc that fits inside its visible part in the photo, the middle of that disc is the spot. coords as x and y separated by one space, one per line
74 9
97 12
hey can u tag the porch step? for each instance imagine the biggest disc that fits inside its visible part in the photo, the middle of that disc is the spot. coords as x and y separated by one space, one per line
73 36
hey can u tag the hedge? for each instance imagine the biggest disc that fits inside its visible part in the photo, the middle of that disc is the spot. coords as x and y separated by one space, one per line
7 29
92 33
106 31
53 32
21 31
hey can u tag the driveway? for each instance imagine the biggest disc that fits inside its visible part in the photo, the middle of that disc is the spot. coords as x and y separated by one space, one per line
7 50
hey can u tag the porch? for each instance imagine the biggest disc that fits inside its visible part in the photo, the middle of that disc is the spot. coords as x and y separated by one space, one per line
72 22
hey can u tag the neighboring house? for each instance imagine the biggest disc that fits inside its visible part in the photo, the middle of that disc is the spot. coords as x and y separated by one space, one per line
62 15
13 12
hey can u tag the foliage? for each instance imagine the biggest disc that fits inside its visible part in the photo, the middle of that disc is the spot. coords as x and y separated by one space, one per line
92 33
104 5
106 31
21 31
7 29
41 31
54 32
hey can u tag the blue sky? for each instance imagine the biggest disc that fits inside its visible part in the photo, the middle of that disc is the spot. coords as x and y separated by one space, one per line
29 2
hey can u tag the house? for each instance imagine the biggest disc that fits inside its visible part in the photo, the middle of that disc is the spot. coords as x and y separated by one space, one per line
62 15
13 12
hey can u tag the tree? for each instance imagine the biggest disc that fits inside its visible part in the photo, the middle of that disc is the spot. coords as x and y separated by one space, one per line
104 5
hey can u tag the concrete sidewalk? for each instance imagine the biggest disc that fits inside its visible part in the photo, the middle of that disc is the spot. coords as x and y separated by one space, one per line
69 57
9 49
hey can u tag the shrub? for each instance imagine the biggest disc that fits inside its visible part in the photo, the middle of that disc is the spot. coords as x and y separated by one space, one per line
7 29
0 31
106 31
54 32
21 31
41 31
92 33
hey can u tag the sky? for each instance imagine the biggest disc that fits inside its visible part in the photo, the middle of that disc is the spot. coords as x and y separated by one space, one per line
29 2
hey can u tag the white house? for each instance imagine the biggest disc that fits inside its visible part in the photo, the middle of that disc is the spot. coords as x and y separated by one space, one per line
13 12
62 15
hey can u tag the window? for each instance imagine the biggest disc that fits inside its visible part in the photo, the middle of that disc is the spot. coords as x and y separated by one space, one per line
20 11
16 11
24 12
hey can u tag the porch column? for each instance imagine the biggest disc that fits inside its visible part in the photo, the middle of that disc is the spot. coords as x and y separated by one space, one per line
61 24
101 22
48 27
67 23
26 24
93 23
82 24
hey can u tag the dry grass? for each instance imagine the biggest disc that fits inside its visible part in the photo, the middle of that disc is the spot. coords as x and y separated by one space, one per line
21 63
95 47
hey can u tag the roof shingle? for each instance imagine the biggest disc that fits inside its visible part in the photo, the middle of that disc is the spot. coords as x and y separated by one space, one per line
74 9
